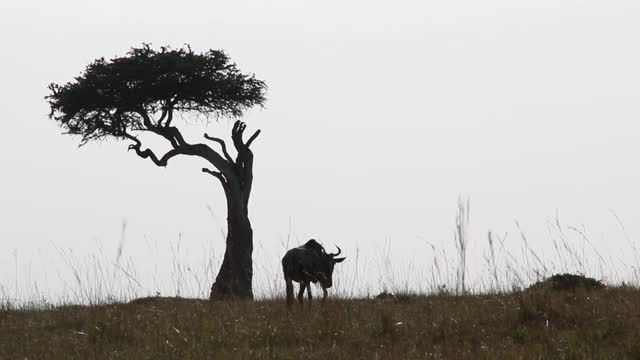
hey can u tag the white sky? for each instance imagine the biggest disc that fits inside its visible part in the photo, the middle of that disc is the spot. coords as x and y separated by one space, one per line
380 115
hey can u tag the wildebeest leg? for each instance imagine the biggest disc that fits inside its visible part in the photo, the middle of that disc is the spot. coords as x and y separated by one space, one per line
289 292
309 293
324 293
301 293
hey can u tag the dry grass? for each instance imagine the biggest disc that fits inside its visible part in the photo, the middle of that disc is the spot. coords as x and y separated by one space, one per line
530 325
452 318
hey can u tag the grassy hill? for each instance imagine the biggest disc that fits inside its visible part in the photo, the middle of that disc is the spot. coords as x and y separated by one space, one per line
538 324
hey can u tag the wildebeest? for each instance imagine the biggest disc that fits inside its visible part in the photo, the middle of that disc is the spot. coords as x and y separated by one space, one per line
306 264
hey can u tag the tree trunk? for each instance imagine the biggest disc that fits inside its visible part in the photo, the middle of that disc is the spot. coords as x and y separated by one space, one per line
236 273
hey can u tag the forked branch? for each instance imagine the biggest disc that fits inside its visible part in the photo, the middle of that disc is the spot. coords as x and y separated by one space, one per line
238 143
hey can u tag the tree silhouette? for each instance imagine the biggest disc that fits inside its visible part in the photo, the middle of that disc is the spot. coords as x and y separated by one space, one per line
141 93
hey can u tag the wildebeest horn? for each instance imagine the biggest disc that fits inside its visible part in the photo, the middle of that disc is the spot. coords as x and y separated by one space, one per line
336 254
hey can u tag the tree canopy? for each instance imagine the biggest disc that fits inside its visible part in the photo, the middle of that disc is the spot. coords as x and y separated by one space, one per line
142 90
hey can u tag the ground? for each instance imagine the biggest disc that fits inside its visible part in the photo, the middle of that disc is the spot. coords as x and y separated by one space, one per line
578 324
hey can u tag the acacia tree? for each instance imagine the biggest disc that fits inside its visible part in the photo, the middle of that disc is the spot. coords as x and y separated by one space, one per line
142 92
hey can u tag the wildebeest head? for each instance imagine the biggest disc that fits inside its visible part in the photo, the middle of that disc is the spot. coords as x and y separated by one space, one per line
325 270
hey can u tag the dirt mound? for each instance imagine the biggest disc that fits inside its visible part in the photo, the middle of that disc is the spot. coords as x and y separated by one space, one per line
564 282
385 295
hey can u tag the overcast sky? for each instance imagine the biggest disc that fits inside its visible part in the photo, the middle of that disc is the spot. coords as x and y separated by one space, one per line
379 116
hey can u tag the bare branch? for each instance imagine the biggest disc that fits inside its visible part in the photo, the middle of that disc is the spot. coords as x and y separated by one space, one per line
169 116
253 137
236 135
132 138
147 153
222 144
219 176
216 174
162 117
145 118
170 135
174 133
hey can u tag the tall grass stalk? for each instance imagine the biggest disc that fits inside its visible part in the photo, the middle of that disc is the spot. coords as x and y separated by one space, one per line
461 241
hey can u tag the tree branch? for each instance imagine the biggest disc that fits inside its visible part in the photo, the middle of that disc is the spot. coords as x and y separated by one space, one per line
147 153
174 133
244 160
158 129
162 117
216 174
169 116
236 135
222 144
253 137
219 176
146 120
